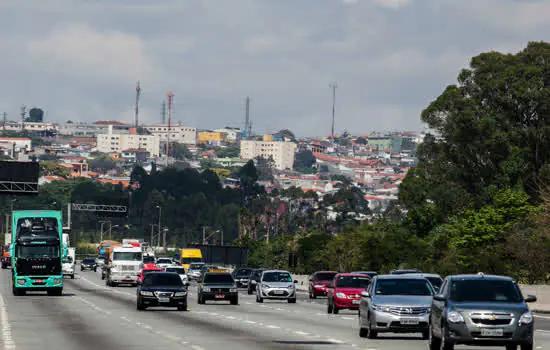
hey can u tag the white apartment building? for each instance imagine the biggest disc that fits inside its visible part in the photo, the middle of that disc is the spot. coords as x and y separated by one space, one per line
79 129
17 144
111 142
281 151
29 126
178 133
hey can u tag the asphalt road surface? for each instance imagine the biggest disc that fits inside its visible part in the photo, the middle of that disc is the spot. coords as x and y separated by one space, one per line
91 316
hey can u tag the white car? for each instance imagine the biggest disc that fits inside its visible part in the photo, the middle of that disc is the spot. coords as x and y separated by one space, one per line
180 271
164 262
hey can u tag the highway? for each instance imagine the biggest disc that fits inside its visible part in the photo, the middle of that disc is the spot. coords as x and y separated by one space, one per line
92 316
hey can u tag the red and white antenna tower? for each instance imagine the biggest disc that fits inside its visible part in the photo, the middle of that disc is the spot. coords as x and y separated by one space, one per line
170 100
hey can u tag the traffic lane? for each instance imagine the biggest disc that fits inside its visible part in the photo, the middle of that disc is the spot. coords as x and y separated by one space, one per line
542 322
36 321
209 330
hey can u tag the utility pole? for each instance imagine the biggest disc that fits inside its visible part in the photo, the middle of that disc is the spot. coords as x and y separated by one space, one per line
23 113
247 117
4 121
164 239
163 112
333 86
203 235
138 94
170 100
160 216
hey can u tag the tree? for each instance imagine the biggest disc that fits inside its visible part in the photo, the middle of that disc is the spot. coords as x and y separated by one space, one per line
361 141
35 115
53 169
180 151
227 152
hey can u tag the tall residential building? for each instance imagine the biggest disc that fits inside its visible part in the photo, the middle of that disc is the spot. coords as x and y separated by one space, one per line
281 151
231 134
111 142
178 133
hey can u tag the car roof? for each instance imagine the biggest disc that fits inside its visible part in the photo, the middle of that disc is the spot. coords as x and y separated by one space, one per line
152 269
276 271
481 277
422 274
217 273
319 272
351 274
398 277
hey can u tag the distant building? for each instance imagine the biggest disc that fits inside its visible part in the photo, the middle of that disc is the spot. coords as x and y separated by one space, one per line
17 144
29 126
178 133
231 134
282 152
381 143
111 142
134 155
211 137
92 130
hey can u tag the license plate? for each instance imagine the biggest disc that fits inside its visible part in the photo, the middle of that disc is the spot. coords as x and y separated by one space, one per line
356 302
164 300
39 281
409 321
485 332
220 296
278 292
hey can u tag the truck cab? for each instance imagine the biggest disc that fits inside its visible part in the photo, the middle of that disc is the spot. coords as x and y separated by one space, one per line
189 256
69 263
124 265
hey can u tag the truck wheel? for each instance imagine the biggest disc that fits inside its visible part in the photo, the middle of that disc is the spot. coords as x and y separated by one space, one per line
72 276
235 301
55 292
4 266
18 292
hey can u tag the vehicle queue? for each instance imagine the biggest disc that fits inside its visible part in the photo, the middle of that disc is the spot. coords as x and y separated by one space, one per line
462 309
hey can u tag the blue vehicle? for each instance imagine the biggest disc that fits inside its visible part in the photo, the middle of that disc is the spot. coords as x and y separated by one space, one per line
37 251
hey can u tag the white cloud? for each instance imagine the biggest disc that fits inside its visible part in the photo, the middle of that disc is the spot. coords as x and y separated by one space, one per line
79 49
394 4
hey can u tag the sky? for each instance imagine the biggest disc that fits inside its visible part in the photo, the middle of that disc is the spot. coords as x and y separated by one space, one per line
80 59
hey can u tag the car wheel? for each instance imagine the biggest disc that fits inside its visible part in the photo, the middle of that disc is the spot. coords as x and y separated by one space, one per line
292 301
201 300
312 295
426 335
329 307
249 291
259 299
140 306
335 310
371 333
434 343
363 332
182 307
72 276
235 301
526 346
81 268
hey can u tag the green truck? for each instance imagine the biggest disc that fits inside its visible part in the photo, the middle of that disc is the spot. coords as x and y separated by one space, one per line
37 251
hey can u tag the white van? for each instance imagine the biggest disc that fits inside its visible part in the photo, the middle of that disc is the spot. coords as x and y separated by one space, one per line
69 263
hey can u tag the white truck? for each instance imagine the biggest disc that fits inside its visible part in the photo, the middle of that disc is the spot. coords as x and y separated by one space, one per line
69 263
124 265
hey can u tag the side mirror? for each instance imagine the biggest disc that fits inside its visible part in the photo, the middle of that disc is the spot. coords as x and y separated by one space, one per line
65 252
365 294
531 299
439 297
295 281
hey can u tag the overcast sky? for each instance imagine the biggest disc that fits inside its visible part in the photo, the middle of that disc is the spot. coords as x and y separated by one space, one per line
80 59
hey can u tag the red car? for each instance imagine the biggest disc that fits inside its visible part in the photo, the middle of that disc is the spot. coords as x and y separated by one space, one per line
146 270
345 292
318 283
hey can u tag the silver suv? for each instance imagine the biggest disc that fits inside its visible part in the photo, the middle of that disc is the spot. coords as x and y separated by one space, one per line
276 284
397 304
481 310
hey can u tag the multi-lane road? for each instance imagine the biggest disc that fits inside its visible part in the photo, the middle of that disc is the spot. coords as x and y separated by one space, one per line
91 316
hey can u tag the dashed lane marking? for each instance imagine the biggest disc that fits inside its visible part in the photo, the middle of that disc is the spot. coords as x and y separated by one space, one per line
7 338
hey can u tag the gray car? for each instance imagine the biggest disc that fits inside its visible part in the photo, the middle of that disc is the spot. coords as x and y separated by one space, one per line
276 284
481 310
395 304
434 279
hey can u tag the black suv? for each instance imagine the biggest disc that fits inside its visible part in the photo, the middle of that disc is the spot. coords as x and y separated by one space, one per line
241 276
218 286
162 289
481 310
254 278
88 264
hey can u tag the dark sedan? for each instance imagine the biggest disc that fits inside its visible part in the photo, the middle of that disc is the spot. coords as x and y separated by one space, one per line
88 264
241 276
162 289
218 286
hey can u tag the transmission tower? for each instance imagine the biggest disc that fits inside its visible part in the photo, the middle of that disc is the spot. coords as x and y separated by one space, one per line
333 86
138 94
23 113
163 112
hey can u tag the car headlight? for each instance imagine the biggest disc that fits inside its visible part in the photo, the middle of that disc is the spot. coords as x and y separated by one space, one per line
57 281
454 317
180 294
206 289
265 285
318 286
21 282
526 318
340 295
146 293
233 290
291 286
381 308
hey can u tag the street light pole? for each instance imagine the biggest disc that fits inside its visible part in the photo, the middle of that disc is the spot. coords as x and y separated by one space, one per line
101 231
160 216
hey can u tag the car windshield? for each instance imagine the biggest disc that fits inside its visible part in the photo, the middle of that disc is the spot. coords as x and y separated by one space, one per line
329 276
435 281
37 251
164 261
37 228
243 272
403 287
148 259
277 277
190 260
133 256
215 278
68 260
146 271
162 279
485 291
195 266
352 282
178 270
88 261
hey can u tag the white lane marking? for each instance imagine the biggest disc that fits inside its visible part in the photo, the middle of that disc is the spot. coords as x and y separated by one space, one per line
301 333
540 316
7 338
94 306
542 331
335 341
105 287
347 318
273 326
